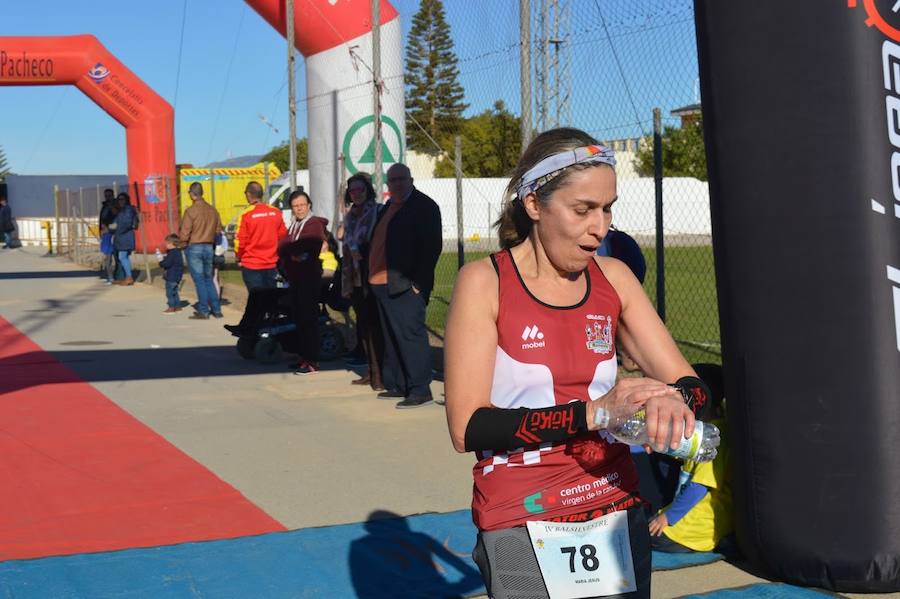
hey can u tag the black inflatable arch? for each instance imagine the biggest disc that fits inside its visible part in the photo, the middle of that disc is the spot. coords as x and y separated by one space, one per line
801 105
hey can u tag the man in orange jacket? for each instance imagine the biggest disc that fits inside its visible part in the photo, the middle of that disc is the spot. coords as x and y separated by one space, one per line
259 230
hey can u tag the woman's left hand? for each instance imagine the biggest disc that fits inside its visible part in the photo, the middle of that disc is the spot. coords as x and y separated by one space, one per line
658 524
669 420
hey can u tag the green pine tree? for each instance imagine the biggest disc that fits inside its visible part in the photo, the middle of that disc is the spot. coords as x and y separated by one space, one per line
4 167
434 94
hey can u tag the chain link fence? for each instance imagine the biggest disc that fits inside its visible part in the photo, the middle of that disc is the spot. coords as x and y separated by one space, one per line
602 66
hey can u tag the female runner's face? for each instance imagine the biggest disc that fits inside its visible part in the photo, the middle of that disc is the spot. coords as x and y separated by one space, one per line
572 224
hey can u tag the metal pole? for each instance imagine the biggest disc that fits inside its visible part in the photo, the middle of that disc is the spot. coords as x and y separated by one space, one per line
56 214
80 223
525 68
69 246
292 97
460 234
98 211
545 67
338 212
266 181
212 186
376 95
660 239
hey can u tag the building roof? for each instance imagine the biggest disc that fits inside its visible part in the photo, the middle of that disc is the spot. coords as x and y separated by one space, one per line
686 110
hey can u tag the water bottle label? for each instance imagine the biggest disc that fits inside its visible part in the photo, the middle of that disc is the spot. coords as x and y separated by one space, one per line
689 448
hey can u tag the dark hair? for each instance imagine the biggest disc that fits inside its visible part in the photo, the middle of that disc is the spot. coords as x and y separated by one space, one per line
196 189
255 190
514 224
173 239
366 178
124 196
296 194
108 190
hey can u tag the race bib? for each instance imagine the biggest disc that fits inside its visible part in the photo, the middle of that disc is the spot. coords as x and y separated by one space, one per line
587 559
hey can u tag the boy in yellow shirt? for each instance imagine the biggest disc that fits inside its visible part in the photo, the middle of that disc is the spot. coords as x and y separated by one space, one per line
701 515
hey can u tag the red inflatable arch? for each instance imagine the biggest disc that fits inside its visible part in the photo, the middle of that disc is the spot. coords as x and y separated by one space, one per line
82 61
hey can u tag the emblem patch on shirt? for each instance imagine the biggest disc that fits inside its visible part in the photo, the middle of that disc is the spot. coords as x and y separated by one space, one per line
599 335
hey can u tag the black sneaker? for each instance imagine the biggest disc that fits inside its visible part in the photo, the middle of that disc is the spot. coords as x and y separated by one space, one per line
414 401
199 316
234 329
391 395
218 315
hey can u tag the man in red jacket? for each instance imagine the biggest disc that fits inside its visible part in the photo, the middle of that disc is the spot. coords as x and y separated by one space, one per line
259 229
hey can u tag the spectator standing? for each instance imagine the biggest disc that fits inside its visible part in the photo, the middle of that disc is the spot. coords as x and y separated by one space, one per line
7 225
357 230
259 229
199 226
299 254
123 239
700 517
621 245
405 246
107 216
173 265
219 263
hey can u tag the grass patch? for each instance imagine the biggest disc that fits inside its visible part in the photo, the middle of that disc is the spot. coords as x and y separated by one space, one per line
691 305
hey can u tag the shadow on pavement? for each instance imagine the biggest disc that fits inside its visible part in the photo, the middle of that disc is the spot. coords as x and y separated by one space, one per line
394 561
106 365
49 274
46 311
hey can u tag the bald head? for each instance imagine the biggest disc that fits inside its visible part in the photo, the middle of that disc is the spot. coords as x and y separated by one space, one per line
399 181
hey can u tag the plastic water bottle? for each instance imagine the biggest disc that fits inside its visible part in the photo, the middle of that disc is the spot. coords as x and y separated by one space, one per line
632 429
159 255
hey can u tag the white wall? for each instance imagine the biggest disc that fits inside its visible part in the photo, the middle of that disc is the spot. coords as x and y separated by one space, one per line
685 205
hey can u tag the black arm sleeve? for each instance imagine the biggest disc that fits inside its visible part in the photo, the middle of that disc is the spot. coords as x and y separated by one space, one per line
696 395
500 429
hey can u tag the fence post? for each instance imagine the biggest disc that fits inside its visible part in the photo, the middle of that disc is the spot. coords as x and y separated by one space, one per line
266 181
460 234
137 199
212 186
660 238
56 214
170 204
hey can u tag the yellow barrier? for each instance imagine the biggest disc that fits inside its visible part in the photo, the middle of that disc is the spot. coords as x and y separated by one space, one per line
47 226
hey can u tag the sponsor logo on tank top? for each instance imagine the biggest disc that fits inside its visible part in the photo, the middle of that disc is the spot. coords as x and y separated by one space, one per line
599 334
532 337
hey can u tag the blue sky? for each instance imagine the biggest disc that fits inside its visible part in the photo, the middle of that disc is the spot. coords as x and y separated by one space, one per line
627 56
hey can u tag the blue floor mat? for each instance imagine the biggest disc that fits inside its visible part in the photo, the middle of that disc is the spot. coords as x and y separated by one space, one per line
673 561
419 556
764 591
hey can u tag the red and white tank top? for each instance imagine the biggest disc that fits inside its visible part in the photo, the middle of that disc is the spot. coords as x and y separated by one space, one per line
549 356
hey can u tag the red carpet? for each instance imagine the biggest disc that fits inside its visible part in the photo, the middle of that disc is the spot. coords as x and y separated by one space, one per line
79 474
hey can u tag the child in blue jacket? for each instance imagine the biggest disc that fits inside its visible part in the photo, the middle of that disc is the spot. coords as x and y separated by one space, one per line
173 265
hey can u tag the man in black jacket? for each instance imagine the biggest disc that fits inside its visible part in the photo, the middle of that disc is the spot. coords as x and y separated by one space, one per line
405 246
